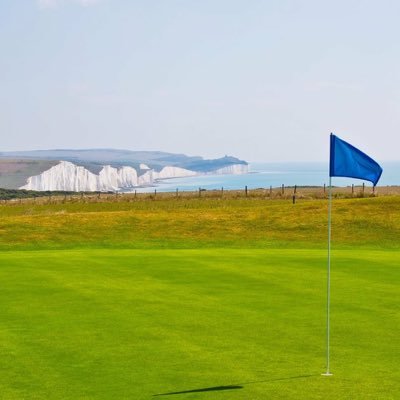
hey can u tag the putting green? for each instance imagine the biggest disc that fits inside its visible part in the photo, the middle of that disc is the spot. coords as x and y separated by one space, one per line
214 323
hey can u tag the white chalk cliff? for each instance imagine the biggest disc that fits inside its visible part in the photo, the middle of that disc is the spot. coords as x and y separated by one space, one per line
64 176
234 169
70 177
67 176
173 172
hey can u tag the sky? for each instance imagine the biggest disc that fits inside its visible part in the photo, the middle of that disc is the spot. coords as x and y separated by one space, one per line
262 80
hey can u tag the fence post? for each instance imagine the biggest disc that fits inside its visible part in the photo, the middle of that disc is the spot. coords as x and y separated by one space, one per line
176 192
295 189
294 199
222 191
352 188
245 190
283 188
270 192
363 188
199 192
324 188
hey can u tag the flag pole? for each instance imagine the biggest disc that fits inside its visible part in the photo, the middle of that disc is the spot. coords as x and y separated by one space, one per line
328 281
347 161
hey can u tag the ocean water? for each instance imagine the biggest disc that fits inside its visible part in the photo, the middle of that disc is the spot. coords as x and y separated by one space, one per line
264 175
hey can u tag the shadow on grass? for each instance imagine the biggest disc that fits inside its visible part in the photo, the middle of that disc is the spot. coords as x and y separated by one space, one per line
209 389
232 387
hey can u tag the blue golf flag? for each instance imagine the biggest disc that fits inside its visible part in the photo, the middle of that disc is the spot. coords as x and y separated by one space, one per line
347 161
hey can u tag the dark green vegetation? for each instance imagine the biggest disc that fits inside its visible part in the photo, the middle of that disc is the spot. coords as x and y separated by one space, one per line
203 298
9 194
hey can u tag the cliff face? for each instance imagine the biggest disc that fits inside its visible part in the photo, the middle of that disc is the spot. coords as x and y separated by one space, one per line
67 176
173 172
111 178
235 169
64 176
70 177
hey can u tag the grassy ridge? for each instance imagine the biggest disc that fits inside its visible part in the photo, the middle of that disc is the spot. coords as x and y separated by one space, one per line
193 223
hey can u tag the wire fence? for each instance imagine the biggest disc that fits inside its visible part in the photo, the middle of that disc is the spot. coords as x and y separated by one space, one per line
292 193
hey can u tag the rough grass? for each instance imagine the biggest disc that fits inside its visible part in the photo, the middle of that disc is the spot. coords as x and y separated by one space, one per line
187 223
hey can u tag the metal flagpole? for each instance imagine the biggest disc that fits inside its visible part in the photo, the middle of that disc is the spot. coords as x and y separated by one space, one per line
328 282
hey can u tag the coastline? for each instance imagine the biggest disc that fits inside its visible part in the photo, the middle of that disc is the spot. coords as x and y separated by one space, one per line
265 175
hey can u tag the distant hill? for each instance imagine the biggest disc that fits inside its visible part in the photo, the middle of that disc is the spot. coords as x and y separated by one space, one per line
92 158
15 172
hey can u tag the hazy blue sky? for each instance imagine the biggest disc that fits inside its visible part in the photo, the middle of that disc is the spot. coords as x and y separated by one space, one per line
258 79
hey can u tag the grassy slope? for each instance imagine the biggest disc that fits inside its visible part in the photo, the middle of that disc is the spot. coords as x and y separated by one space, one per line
193 223
89 323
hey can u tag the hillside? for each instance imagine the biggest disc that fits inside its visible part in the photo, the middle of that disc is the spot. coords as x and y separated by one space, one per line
14 172
129 222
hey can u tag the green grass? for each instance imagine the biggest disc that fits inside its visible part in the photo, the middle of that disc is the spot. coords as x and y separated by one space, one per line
224 315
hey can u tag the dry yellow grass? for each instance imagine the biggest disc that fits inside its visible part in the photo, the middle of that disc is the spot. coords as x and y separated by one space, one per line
167 221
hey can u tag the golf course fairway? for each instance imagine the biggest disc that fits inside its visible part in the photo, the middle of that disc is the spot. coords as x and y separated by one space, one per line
242 324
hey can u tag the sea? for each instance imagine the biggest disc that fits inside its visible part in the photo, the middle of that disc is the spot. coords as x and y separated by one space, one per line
264 175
